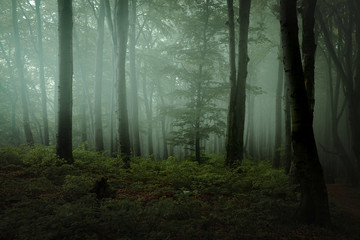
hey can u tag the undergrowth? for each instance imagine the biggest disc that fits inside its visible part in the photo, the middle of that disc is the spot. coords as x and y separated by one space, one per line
42 197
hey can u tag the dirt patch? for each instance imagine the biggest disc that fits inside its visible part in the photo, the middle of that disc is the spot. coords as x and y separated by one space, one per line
348 199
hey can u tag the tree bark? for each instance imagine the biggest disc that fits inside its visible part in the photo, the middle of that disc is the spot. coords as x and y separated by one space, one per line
236 112
288 148
64 129
23 88
314 207
99 140
308 50
122 27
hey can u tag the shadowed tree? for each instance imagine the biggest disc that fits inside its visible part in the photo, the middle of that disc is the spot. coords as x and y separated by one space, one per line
314 207
64 128
236 112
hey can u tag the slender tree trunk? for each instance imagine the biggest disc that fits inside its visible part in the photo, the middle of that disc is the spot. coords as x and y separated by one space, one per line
236 114
122 27
163 131
99 141
134 88
20 66
288 148
42 75
148 110
110 25
314 207
278 110
64 130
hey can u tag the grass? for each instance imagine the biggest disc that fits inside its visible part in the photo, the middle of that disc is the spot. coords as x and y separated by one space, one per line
44 198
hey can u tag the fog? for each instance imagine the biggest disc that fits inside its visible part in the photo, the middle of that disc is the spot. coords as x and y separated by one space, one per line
181 70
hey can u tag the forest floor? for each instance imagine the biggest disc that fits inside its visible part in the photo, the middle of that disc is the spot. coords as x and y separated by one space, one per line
41 197
347 199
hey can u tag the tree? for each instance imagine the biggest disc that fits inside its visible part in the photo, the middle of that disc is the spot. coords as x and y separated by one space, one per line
99 142
134 88
236 112
197 114
20 68
314 207
121 28
278 110
64 128
41 73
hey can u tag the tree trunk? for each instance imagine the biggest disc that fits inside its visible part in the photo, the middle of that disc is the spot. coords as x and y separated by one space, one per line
134 88
99 141
23 88
122 27
308 50
278 110
236 114
109 22
64 130
41 72
314 207
288 148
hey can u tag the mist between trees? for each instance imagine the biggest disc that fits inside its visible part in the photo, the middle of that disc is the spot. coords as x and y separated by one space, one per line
151 78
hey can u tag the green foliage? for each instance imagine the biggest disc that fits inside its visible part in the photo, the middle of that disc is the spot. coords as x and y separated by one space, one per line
43 198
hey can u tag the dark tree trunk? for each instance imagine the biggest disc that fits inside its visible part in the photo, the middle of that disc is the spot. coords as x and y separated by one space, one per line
64 130
288 148
314 207
236 114
99 141
278 111
42 75
308 50
134 88
23 88
122 27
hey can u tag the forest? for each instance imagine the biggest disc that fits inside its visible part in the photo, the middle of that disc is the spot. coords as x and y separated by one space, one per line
179 119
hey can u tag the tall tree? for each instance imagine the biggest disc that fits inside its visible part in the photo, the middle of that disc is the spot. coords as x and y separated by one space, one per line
134 87
64 128
20 68
278 115
99 142
41 72
122 28
314 207
236 112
